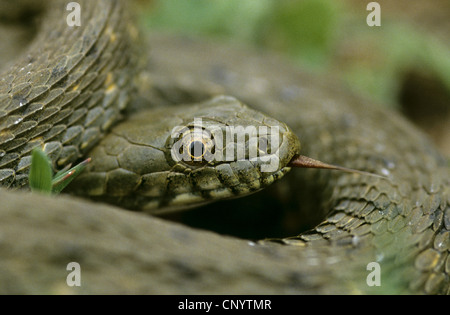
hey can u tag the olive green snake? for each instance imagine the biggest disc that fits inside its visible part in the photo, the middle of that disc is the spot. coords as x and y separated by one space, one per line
72 86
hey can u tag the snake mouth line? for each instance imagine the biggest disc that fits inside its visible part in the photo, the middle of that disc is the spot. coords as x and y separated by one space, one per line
180 202
279 174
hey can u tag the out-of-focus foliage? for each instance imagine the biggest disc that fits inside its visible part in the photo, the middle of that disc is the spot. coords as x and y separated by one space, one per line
322 35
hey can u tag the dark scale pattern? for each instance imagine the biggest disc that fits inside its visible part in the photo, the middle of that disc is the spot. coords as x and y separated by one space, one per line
402 216
65 99
401 222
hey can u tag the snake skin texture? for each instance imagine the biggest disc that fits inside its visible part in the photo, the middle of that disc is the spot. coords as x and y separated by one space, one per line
67 90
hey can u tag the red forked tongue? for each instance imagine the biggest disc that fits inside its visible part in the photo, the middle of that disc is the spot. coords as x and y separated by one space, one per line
302 161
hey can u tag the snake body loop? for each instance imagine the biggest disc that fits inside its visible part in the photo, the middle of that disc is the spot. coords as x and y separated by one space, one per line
71 86
67 89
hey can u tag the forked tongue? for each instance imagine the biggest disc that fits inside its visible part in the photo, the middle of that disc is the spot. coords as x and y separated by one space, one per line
302 161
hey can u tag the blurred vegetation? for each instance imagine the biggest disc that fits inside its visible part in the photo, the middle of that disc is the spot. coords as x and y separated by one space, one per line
404 63
320 35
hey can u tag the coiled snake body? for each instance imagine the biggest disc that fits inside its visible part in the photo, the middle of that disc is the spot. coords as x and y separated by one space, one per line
70 87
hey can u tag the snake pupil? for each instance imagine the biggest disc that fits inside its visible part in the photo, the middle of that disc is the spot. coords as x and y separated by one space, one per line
196 149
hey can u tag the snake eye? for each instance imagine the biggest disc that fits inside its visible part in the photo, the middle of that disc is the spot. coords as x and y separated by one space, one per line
195 147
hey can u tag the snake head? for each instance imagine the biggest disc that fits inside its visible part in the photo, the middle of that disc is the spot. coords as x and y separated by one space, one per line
180 157
225 149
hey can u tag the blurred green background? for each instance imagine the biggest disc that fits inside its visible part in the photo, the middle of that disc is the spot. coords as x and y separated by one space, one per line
404 63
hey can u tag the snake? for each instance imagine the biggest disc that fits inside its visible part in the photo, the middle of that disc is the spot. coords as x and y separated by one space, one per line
99 90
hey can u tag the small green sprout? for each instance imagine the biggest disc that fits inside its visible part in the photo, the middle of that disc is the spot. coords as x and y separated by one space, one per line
41 175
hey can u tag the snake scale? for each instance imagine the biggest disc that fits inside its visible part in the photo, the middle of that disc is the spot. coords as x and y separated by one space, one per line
72 85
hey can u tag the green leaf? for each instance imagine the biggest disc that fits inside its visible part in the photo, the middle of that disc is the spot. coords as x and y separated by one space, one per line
40 177
64 177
